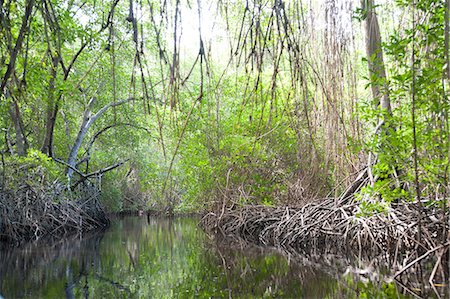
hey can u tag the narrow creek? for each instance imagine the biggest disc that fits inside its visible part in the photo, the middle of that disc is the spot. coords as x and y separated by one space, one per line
139 257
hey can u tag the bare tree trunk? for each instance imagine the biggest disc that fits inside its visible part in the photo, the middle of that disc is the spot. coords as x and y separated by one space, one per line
413 117
377 75
88 120
374 52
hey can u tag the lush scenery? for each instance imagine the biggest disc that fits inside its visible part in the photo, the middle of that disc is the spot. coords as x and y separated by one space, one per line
302 125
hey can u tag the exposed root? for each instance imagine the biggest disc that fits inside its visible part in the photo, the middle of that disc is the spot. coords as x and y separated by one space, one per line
336 226
36 211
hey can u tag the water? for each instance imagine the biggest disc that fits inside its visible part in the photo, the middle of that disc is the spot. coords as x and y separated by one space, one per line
162 258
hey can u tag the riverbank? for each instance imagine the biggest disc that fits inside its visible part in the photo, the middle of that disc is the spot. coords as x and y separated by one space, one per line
35 211
407 235
37 202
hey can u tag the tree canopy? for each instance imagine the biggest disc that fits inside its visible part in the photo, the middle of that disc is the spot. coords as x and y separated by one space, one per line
207 102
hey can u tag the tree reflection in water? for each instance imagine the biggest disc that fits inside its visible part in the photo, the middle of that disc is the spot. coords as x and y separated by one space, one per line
141 257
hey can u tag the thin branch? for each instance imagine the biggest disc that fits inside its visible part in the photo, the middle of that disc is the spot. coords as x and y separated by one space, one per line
18 46
69 166
106 169
420 258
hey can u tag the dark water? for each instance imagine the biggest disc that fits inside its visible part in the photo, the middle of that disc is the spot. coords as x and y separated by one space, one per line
161 258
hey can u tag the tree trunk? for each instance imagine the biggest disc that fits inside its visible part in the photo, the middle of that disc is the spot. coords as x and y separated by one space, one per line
378 80
88 120
13 55
447 37
377 72
21 139
52 110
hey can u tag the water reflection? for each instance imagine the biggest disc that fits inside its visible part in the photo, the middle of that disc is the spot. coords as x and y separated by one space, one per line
162 258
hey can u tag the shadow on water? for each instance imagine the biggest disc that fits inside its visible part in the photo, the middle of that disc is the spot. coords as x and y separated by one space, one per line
142 257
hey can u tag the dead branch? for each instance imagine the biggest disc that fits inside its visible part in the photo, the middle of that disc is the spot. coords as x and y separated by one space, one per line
423 256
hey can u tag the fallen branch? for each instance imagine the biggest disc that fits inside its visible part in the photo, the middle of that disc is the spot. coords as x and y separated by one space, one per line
98 173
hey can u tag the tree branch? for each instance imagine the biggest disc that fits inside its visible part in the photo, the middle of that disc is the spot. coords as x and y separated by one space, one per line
88 120
18 46
69 166
106 169
87 154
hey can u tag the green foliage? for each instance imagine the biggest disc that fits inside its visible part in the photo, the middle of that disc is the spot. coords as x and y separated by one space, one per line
273 119
35 169
394 145
112 196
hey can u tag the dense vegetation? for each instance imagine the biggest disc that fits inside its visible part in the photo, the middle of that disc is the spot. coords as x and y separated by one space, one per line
251 102
255 102
332 118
